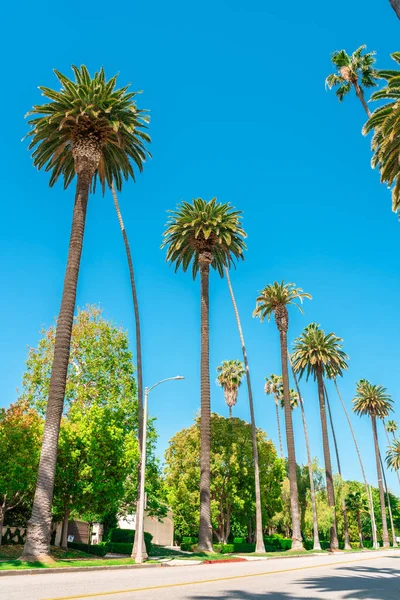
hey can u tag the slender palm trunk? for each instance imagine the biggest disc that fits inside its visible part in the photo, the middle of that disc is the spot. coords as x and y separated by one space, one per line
260 548
205 530
327 458
360 529
278 421
230 412
360 96
347 545
367 489
39 525
385 534
389 444
297 542
388 503
139 367
317 545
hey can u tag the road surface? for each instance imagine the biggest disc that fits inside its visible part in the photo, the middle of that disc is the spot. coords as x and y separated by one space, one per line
370 576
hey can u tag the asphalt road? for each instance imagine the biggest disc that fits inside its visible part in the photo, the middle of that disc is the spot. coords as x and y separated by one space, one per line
371 576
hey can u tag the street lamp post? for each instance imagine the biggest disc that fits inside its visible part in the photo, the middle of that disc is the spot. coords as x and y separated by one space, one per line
141 554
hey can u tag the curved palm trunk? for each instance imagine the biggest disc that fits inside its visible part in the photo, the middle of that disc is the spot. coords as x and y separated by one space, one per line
260 548
138 344
39 525
367 489
389 444
297 542
278 422
205 529
360 529
317 545
327 458
388 503
385 534
347 545
360 96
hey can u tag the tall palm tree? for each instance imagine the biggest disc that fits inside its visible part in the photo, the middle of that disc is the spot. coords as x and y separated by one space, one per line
355 71
356 502
373 400
260 547
391 427
230 375
274 300
317 545
313 352
384 122
274 387
347 545
393 455
88 128
200 235
332 375
388 502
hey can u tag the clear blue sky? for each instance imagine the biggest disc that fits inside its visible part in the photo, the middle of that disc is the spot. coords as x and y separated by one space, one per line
239 111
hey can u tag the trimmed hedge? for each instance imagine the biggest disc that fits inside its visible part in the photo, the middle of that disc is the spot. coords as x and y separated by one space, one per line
244 547
188 547
96 549
126 547
224 548
189 540
125 536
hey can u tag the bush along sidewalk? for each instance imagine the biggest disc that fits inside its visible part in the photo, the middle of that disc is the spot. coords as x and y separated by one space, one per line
120 542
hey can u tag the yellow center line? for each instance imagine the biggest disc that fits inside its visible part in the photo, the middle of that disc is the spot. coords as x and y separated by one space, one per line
202 581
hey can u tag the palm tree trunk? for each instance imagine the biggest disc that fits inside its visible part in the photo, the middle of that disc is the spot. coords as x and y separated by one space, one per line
230 412
385 534
317 545
388 503
347 545
64 534
205 530
278 421
360 96
139 367
389 444
371 505
39 525
360 529
297 542
327 457
260 548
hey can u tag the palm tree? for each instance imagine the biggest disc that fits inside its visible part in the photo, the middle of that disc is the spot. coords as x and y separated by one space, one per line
274 299
204 234
356 502
260 547
294 399
331 375
317 545
384 122
88 129
347 545
396 7
353 71
391 427
373 400
230 375
313 352
388 502
393 455
274 387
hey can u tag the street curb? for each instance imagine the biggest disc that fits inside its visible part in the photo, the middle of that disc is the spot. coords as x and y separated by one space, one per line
49 570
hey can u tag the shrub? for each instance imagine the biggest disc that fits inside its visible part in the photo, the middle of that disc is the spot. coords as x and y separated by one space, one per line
188 547
16 537
96 549
244 547
239 540
190 540
126 547
127 536
224 548
277 543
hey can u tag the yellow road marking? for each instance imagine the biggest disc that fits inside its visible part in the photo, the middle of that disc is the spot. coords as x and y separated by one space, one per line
201 581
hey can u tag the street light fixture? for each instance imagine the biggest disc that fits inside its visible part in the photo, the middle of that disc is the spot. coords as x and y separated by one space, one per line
141 554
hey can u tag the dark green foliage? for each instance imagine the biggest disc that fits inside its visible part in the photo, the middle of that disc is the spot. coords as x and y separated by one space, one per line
245 547
126 547
277 543
16 537
126 536
189 540
188 547
95 549
224 548
110 522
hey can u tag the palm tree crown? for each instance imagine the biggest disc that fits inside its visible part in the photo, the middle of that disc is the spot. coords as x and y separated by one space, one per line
372 400
230 375
274 386
393 456
294 399
352 70
274 299
384 122
391 426
203 227
314 349
88 112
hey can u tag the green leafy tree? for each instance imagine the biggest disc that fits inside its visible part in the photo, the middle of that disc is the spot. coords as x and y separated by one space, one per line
232 482
274 387
88 128
230 375
21 431
355 71
374 401
203 235
274 300
314 352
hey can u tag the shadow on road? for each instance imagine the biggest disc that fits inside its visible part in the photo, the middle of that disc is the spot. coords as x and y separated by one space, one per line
350 583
